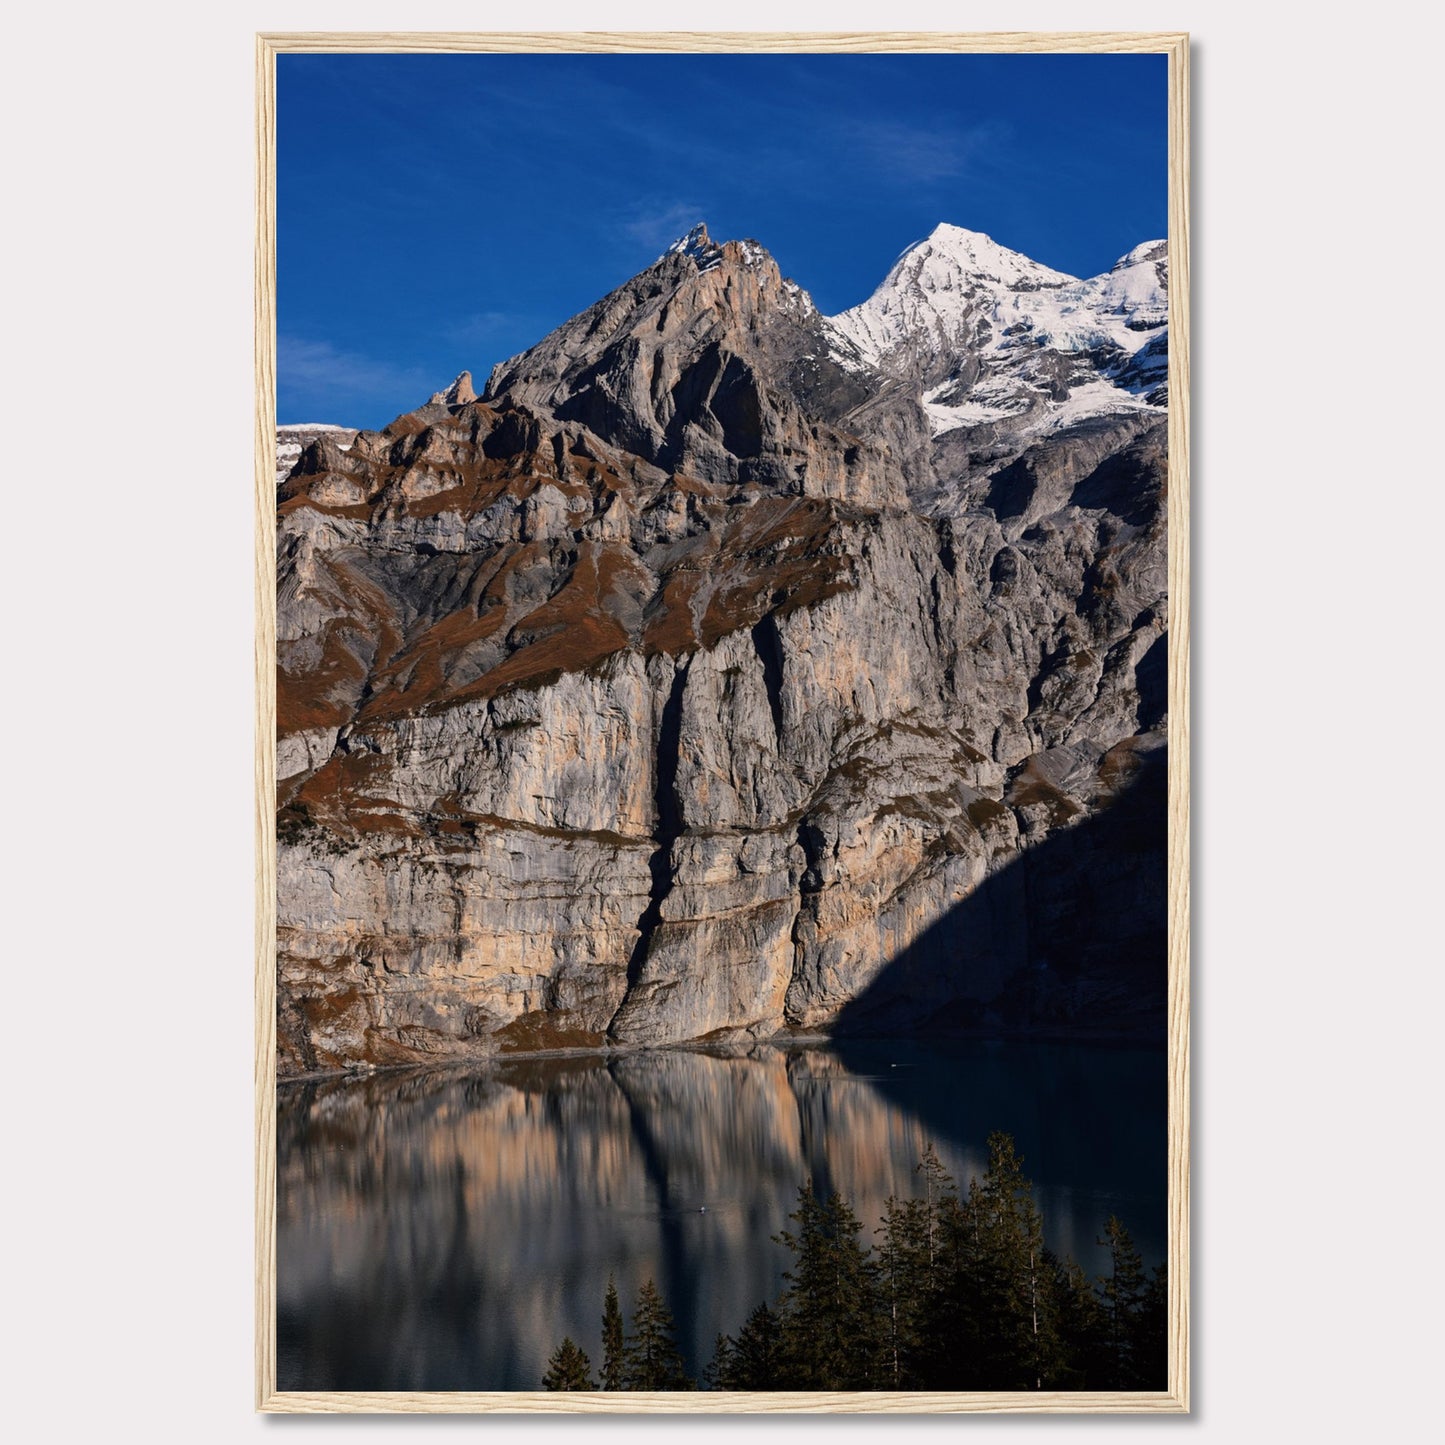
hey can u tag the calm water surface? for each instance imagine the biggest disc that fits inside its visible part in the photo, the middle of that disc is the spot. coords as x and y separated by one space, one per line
444 1230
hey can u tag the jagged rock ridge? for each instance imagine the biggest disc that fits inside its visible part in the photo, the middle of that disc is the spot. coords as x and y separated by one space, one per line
697 680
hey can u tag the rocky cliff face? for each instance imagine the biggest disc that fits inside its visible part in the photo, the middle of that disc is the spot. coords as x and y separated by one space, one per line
291 441
725 669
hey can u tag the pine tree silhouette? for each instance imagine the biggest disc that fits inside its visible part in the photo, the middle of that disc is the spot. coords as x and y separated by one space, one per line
651 1360
960 1295
568 1369
831 1337
612 1342
1123 1291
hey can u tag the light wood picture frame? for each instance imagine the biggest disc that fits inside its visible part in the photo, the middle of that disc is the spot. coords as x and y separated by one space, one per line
1176 1399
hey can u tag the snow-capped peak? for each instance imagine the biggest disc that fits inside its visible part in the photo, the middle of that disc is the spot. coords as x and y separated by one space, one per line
696 243
937 289
979 255
995 335
1135 289
1144 251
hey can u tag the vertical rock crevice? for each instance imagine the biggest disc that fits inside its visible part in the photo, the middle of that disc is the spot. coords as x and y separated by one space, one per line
768 643
812 843
668 807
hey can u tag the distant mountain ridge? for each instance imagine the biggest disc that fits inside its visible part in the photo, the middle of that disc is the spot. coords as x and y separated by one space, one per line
719 669
292 439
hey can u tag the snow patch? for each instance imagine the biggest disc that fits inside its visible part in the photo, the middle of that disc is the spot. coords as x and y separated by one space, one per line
292 438
959 295
992 401
698 245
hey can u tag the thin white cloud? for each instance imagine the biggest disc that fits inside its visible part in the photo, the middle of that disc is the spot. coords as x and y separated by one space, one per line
659 224
327 375
483 326
923 155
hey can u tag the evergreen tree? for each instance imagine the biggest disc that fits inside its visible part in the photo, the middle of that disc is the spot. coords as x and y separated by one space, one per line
568 1369
651 1360
939 1195
1003 1308
1082 1332
913 1264
1024 1272
754 1361
1122 1291
1151 1343
961 1295
612 1345
723 1366
830 1337
951 1341
904 1290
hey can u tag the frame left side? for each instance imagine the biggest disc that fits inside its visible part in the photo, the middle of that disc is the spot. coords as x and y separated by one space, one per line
265 608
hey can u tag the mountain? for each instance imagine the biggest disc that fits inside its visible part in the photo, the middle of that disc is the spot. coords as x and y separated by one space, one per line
292 440
726 670
998 340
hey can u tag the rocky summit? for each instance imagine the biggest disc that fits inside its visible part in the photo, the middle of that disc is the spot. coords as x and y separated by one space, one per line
726 670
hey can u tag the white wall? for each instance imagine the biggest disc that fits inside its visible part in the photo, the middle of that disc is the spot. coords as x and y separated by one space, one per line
127 571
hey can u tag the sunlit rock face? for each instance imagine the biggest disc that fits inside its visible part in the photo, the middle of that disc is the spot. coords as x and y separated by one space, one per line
713 674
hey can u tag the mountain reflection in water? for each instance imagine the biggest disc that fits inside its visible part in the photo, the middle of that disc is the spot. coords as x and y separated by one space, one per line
444 1230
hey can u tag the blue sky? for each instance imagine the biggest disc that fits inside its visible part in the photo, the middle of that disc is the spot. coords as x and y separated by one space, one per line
437 212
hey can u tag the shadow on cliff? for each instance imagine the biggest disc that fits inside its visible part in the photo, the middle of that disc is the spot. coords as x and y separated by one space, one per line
1069 939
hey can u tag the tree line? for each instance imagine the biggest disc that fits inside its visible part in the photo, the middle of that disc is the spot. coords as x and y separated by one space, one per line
959 1293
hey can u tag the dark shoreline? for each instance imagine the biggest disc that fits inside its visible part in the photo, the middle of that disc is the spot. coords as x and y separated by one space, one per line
1107 1038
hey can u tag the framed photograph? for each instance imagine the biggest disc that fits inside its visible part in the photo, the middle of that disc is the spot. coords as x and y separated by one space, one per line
722 762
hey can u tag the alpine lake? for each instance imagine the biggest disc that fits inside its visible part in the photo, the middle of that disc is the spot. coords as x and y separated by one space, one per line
444 1229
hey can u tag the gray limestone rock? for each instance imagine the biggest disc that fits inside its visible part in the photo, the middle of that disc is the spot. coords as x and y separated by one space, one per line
690 684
